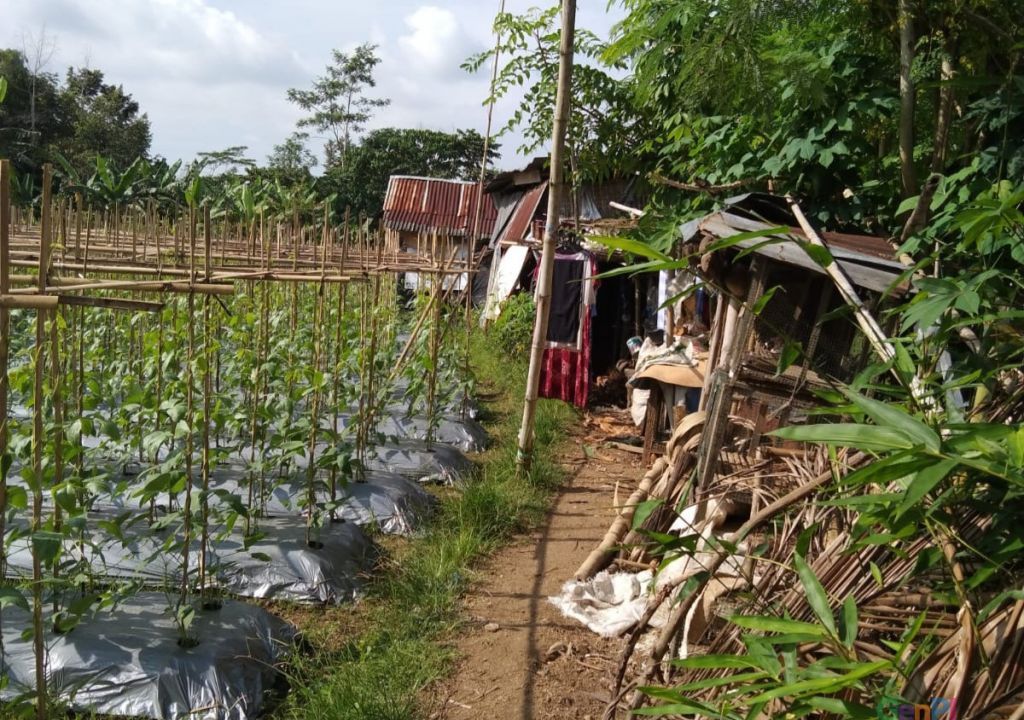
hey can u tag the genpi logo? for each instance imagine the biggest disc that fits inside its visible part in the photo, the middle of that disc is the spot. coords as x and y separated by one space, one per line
896 709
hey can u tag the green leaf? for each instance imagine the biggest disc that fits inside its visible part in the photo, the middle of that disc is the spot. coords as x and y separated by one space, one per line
777 625
12 596
848 622
717 662
46 545
643 511
820 255
924 482
791 352
738 238
842 708
876 573
17 497
822 685
816 596
634 247
862 437
766 297
891 416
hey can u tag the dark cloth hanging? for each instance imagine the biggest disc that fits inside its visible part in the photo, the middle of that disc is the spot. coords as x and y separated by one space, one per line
565 366
566 294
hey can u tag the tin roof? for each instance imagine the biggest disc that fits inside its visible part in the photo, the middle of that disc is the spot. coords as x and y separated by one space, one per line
867 260
433 205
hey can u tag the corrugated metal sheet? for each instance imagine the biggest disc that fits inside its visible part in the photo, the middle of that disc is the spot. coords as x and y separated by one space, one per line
417 204
866 270
526 210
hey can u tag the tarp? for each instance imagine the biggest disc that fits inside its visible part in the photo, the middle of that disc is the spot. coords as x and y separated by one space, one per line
128 662
275 564
417 461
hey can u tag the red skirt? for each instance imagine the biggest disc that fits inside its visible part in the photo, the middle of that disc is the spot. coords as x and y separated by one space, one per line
565 373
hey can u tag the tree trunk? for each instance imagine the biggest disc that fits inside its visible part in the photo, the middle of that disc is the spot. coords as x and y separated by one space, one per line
907 99
547 262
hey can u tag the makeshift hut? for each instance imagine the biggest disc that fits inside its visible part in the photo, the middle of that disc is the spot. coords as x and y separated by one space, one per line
590 319
419 212
780 331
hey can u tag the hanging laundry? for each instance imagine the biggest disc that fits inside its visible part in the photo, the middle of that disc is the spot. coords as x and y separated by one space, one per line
565 367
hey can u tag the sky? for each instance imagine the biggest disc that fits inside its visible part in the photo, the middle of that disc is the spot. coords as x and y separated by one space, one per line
214 73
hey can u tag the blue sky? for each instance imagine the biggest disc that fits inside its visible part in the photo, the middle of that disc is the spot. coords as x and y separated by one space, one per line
213 73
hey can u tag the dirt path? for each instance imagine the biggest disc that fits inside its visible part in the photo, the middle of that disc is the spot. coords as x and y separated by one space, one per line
537 663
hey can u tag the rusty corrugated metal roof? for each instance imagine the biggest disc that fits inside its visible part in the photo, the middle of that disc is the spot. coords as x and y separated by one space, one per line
525 211
433 205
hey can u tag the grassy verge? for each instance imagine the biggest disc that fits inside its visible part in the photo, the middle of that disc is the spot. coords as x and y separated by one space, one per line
396 643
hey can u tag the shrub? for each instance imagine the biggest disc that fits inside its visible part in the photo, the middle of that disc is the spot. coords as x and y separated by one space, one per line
513 330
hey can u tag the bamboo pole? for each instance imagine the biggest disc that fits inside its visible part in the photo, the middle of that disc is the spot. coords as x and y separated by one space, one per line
5 329
204 501
872 330
189 421
38 442
555 189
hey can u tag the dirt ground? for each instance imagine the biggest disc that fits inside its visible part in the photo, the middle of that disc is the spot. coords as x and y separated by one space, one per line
520 658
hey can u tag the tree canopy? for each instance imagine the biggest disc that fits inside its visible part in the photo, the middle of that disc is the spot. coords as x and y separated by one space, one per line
337 103
79 119
362 182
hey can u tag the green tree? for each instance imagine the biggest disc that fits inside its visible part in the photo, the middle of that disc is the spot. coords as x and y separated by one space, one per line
291 161
24 141
337 103
362 182
804 97
606 131
104 121
230 160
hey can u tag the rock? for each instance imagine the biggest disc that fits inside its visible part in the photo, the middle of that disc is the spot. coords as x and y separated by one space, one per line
492 627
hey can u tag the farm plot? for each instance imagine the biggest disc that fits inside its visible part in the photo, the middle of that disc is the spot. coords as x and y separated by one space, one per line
245 436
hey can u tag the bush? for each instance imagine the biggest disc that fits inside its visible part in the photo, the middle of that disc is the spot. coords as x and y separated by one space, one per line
513 330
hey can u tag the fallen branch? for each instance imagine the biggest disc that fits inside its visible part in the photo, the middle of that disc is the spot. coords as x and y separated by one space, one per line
698 185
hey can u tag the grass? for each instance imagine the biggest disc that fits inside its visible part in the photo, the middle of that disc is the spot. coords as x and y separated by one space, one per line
398 647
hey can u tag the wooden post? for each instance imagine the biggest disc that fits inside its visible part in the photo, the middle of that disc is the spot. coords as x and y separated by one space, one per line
547 263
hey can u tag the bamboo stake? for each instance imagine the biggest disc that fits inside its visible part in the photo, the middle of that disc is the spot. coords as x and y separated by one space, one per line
38 441
207 392
5 329
190 421
555 189
872 330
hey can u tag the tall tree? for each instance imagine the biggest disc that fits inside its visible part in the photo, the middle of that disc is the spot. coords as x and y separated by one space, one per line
804 96
291 161
38 50
105 120
605 132
362 182
337 103
230 160
24 141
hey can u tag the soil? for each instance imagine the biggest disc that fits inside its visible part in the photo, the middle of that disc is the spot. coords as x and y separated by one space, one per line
520 658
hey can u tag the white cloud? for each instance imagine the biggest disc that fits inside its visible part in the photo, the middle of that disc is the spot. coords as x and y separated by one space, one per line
437 43
212 73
